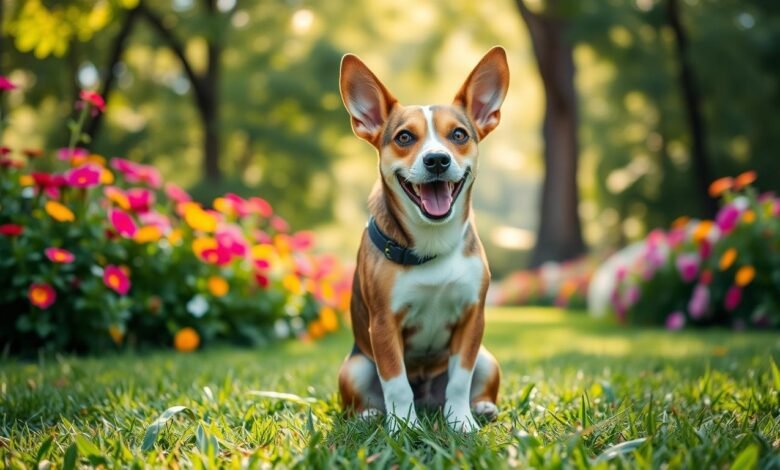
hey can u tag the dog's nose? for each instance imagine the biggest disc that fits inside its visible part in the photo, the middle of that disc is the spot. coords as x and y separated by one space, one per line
437 162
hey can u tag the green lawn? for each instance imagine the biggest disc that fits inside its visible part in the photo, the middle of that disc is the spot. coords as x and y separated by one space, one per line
573 388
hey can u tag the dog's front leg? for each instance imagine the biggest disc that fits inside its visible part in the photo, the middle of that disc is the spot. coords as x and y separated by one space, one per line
464 347
388 353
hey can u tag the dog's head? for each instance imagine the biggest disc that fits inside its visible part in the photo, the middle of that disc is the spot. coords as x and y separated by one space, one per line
428 154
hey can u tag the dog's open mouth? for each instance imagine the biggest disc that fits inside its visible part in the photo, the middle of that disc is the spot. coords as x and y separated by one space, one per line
435 198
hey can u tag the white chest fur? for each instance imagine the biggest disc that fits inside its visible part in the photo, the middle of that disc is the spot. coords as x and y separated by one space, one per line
434 296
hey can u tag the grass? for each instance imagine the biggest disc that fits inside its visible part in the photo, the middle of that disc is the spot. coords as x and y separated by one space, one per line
576 393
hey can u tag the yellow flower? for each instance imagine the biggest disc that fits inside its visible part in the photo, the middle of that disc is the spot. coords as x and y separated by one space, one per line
106 177
327 292
329 319
292 283
745 275
316 329
118 198
59 212
147 234
201 244
174 237
186 340
116 334
749 216
26 180
282 244
728 258
263 251
198 219
218 286
224 206
702 230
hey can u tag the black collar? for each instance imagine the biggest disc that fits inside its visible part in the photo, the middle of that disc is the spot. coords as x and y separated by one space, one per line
392 250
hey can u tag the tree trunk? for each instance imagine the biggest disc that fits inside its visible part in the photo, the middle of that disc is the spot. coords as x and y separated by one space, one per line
119 46
701 169
559 236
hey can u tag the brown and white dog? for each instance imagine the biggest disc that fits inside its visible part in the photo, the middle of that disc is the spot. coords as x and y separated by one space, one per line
418 294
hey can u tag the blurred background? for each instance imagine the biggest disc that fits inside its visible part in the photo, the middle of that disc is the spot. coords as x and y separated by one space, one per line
619 114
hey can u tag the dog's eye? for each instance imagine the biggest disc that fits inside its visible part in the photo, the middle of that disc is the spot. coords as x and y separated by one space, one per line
404 138
459 135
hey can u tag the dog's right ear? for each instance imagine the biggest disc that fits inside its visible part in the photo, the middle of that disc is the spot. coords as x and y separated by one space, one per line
367 100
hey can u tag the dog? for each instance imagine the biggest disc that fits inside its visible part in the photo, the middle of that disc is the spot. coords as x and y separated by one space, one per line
418 294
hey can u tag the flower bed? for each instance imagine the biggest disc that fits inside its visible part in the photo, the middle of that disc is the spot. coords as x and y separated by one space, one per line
103 253
724 272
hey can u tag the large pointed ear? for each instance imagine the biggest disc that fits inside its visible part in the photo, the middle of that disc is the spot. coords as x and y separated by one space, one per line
367 100
484 90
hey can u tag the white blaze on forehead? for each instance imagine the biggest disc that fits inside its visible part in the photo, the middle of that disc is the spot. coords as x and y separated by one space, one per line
431 142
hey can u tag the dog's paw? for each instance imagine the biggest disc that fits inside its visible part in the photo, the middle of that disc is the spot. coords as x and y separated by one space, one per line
369 414
461 419
486 410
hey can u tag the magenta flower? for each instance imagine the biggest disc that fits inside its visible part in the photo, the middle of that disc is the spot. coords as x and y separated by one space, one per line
122 222
94 99
260 206
631 295
176 193
727 218
156 219
687 266
231 239
117 279
675 321
137 173
676 237
5 84
302 241
733 298
700 301
59 255
68 154
83 177
140 199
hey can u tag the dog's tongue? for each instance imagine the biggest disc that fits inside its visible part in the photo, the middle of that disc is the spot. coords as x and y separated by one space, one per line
436 198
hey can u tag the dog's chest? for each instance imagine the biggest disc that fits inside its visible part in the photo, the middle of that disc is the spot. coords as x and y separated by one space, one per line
434 296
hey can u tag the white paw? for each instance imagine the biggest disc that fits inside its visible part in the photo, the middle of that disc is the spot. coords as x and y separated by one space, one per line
486 409
396 422
460 419
369 414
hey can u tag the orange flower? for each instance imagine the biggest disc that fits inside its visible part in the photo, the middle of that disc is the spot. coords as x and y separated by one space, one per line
147 234
59 212
198 219
702 230
680 221
316 329
202 244
117 196
720 186
749 216
745 179
42 295
728 258
106 177
186 340
218 286
745 275
26 180
329 319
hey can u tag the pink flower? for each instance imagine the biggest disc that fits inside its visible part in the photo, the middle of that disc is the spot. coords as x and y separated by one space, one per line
262 237
84 177
631 295
733 298
59 255
727 218
219 256
705 249
122 222
260 206
676 237
94 99
137 173
675 321
140 199
156 219
117 279
279 224
41 294
68 154
699 302
5 84
687 266
231 239
176 194
302 241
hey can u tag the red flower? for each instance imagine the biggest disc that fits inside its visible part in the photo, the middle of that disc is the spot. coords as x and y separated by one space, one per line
84 177
122 222
5 84
219 256
262 280
94 99
4 150
41 294
59 255
140 199
11 230
117 279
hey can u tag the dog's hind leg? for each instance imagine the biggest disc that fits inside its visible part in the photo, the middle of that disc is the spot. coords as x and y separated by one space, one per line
484 385
361 391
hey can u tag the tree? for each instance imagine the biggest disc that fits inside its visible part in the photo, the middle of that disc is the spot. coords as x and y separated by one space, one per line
559 236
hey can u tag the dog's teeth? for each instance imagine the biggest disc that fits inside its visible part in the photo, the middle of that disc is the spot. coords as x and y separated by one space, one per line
450 185
416 189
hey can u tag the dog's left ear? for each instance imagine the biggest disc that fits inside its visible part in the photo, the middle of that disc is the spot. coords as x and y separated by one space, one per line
484 90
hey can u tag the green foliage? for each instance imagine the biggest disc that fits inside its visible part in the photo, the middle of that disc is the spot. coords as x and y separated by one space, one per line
577 394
